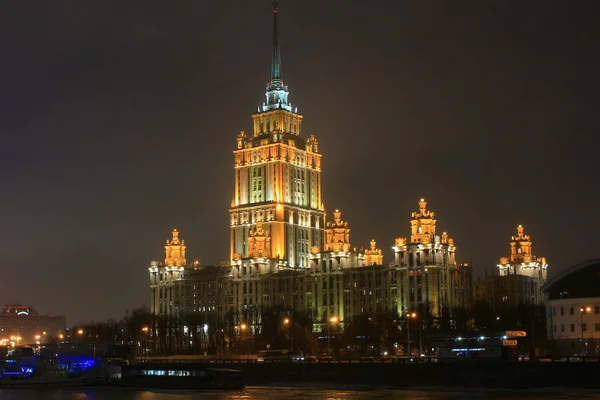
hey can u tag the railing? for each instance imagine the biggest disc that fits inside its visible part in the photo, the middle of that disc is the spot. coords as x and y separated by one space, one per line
251 359
255 360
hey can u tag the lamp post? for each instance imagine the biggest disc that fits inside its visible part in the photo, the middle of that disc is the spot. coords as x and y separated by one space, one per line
243 329
583 311
332 320
145 330
408 317
287 323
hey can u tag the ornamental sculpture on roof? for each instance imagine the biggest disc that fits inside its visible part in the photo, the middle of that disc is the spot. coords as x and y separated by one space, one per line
175 251
337 234
373 256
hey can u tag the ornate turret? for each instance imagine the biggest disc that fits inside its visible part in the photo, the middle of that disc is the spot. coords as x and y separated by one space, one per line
373 256
337 234
175 251
527 271
520 246
521 249
422 224
423 227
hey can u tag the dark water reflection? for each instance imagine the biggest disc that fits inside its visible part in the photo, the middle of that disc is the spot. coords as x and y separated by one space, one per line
270 393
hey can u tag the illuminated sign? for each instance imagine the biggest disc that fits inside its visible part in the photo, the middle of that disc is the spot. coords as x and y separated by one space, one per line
509 343
516 333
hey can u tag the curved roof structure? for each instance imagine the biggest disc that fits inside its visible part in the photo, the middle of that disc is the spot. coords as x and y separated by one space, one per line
581 280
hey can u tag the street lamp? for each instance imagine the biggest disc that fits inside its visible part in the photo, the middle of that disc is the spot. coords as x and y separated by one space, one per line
243 329
408 317
584 311
145 330
332 320
287 323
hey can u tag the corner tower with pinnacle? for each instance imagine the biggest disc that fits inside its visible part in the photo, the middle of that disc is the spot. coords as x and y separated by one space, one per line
430 278
276 214
522 262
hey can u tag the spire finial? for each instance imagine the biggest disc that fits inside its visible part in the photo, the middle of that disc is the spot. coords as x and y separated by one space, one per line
276 62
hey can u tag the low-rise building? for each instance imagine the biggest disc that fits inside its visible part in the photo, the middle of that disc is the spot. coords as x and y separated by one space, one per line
20 324
573 310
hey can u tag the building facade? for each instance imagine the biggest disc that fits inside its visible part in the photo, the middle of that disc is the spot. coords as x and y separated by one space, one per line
573 310
277 186
285 255
518 278
427 274
20 324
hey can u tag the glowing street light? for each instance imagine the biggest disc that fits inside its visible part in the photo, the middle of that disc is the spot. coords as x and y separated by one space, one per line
332 320
145 329
286 322
584 311
408 317
80 332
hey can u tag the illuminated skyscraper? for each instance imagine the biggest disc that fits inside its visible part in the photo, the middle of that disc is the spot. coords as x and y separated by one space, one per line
277 213
283 254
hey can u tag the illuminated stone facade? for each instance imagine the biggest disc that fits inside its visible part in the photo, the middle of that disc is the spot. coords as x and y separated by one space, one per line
283 252
518 278
165 292
428 275
277 186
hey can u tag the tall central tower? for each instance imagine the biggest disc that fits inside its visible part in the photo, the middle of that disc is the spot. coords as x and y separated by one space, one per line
277 211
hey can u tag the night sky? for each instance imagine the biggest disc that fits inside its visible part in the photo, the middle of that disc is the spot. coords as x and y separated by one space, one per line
118 120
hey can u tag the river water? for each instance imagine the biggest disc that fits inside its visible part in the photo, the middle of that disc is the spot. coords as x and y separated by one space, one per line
283 393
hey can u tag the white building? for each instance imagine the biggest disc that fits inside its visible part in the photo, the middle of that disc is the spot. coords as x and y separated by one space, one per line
573 309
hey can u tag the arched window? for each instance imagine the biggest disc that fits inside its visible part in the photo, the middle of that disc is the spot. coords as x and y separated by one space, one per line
268 126
262 127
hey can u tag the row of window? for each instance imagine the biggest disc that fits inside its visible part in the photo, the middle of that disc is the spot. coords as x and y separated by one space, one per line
287 126
572 310
583 327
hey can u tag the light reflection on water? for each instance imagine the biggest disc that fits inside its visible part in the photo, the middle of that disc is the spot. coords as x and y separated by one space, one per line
278 393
